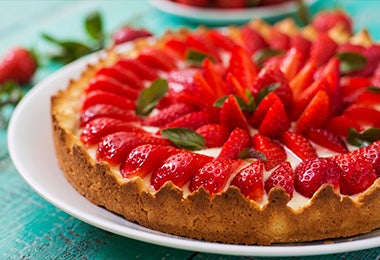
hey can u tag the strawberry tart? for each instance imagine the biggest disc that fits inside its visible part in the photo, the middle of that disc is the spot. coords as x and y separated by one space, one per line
256 134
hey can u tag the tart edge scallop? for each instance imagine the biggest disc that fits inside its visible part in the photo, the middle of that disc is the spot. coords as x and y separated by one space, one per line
228 217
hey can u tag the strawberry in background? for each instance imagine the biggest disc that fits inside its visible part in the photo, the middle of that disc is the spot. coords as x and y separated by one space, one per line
18 65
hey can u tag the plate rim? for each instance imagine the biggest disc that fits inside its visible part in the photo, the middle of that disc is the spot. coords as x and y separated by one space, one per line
224 16
158 238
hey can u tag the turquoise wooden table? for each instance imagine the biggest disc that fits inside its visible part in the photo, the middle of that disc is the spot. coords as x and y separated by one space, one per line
32 228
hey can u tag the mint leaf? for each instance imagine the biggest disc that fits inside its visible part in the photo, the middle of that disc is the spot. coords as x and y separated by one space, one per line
373 89
195 58
364 138
184 138
94 26
262 55
252 153
351 61
149 97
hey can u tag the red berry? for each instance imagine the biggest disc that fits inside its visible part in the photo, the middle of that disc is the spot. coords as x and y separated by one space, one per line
231 115
129 33
283 177
110 85
275 121
250 181
324 21
168 114
145 159
310 174
274 153
114 148
215 135
178 168
237 141
299 145
371 153
213 176
191 120
322 49
97 128
327 139
357 173
96 97
18 64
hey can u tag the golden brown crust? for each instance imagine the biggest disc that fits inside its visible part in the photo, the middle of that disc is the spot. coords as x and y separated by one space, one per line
228 217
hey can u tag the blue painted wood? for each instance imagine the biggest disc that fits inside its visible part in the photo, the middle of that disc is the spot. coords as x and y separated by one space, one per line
32 228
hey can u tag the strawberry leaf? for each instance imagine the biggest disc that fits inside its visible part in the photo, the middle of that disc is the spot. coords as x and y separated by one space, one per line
252 153
149 97
303 12
184 138
262 55
351 61
195 58
266 90
364 138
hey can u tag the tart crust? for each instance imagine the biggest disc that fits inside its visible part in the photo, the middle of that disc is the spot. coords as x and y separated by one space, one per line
228 217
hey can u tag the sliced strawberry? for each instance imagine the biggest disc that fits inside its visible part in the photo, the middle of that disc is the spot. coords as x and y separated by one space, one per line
102 126
214 135
128 33
275 121
231 115
292 63
178 168
322 49
325 20
310 174
302 45
271 75
262 109
368 99
157 59
352 87
145 159
142 71
168 114
213 176
299 145
237 141
301 101
214 78
371 153
221 40
357 173
233 86
105 110
303 79
250 181
242 67
122 75
283 177
316 113
200 41
340 125
102 97
327 139
114 148
191 120
364 116
274 153
107 84
177 45
277 39
252 39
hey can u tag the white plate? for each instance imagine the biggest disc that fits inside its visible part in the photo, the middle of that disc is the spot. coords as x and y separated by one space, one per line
217 16
31 149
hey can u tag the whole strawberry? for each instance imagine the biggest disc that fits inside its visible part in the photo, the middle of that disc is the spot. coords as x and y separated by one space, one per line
129 33
18 64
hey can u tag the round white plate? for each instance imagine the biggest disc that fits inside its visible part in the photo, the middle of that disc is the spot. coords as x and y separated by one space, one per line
217 16
32 151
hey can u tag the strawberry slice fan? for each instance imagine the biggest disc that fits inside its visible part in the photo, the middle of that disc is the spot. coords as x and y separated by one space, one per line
256 134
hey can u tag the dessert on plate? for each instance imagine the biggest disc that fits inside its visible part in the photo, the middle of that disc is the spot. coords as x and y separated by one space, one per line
256 134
